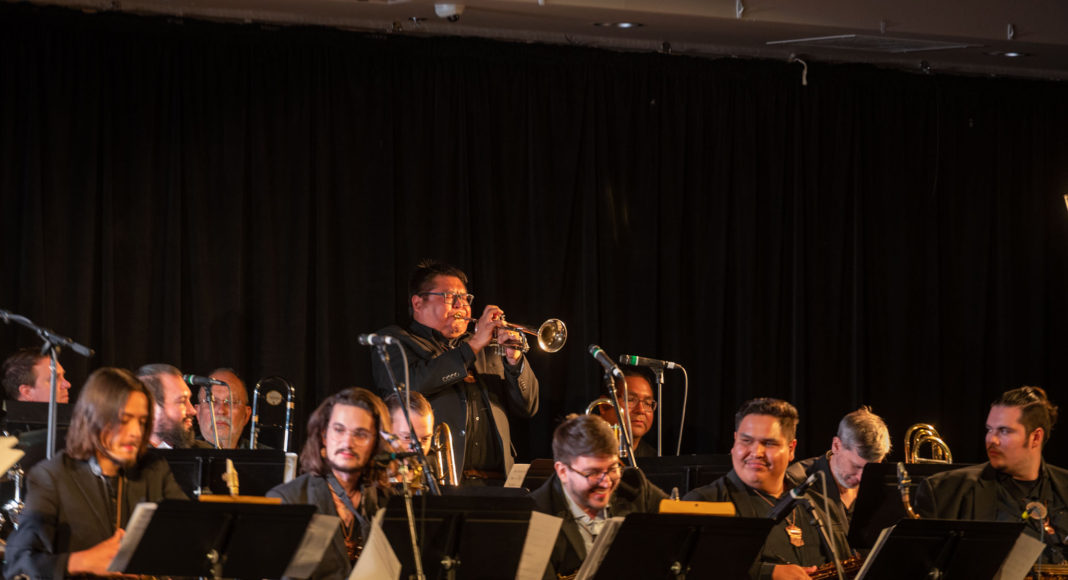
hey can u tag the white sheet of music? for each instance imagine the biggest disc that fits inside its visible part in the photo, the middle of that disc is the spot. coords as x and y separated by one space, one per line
135 530
517 475
538 547
1024 553
377 560
317 537
8 454
600 549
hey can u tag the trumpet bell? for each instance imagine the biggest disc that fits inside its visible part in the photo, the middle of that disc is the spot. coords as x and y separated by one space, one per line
552 335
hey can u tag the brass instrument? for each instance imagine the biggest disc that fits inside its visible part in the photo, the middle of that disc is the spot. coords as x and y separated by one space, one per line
273 397
828 571
917 436
603 401
441 458
552 334
904 482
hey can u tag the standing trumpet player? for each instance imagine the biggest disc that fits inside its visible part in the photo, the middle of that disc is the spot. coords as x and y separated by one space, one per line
470 387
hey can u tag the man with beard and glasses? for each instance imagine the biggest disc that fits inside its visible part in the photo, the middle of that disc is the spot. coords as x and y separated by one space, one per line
1014 480
470 387
588 486
862 439
173 427
764 444
232 411
339 476
80 500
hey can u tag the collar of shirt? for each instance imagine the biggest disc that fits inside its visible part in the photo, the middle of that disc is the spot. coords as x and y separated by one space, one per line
591 525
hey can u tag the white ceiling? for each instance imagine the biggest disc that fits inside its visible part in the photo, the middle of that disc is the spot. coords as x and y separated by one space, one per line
710 28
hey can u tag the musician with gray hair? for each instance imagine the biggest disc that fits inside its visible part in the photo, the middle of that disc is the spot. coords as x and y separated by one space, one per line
862 438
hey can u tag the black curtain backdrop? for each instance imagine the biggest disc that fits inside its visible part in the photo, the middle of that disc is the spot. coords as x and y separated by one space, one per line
215 194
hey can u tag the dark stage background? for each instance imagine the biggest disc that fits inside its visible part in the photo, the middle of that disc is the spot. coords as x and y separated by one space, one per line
209 194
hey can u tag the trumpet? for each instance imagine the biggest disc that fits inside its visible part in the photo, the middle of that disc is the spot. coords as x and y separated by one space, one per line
441 458
552 334
921 433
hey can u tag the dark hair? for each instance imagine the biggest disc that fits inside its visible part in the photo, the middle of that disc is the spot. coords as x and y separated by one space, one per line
781 410
311 456
865 433
583 435
150 376
18 370
417 404
1035 409
638 372
100 406
422 277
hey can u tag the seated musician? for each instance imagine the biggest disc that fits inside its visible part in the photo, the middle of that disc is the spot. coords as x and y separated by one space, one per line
231 412
173 428
80 500
339 475
589 486
27 377
862 438
764 445
640 407
422 416
1017 428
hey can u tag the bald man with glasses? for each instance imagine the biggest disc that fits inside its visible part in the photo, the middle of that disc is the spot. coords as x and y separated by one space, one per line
588 486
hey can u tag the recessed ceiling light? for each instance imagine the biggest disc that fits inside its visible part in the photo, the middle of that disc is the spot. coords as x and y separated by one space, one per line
619 24
1009 54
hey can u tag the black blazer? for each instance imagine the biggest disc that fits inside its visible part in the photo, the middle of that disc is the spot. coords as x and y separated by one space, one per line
67 511
971 493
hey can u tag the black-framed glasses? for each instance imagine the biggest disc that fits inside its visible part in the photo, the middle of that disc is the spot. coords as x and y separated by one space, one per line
450 298
635 404
595 478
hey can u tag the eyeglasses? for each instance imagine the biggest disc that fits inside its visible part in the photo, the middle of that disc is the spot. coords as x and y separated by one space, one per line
338 431
220 403
595 478
451 297
635 404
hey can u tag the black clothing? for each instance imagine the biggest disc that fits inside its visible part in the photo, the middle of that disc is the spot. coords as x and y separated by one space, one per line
474 394
634 493
980 492
838 513
777 549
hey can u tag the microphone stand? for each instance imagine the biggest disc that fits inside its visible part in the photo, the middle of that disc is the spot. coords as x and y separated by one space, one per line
52 345
624 428
659 372
824 537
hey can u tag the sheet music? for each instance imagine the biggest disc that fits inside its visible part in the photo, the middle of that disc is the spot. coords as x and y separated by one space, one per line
290 469
517 475
377 560
600 549
870 559
1024 554
538 547
8 454
135 530
317 537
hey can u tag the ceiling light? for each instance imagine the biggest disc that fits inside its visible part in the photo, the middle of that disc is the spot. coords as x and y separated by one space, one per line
619 24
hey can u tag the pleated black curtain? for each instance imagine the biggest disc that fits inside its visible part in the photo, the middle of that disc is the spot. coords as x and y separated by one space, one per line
225 195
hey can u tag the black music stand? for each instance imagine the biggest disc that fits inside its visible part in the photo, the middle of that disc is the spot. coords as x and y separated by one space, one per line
938 549
677 545
230 540
460 536
200 471
540 471
878 503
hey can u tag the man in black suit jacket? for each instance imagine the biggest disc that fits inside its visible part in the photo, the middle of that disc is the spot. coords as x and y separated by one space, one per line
339 476
470 388
589 486
79 501
1014 481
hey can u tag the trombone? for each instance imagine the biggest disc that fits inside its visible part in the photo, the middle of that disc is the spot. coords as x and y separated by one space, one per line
273 398
552 334
922 433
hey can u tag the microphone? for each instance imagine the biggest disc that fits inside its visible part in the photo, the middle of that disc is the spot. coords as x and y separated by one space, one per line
641 361
372 339
786 503
1035 511
199 381
609 367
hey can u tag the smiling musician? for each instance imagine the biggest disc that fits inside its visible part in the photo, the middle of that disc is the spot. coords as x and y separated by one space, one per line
1014 480
588 486
764 443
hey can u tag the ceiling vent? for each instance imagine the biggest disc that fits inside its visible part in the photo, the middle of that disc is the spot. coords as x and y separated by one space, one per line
872 43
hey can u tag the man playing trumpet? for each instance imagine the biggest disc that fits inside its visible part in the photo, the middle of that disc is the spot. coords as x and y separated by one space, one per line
469 387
